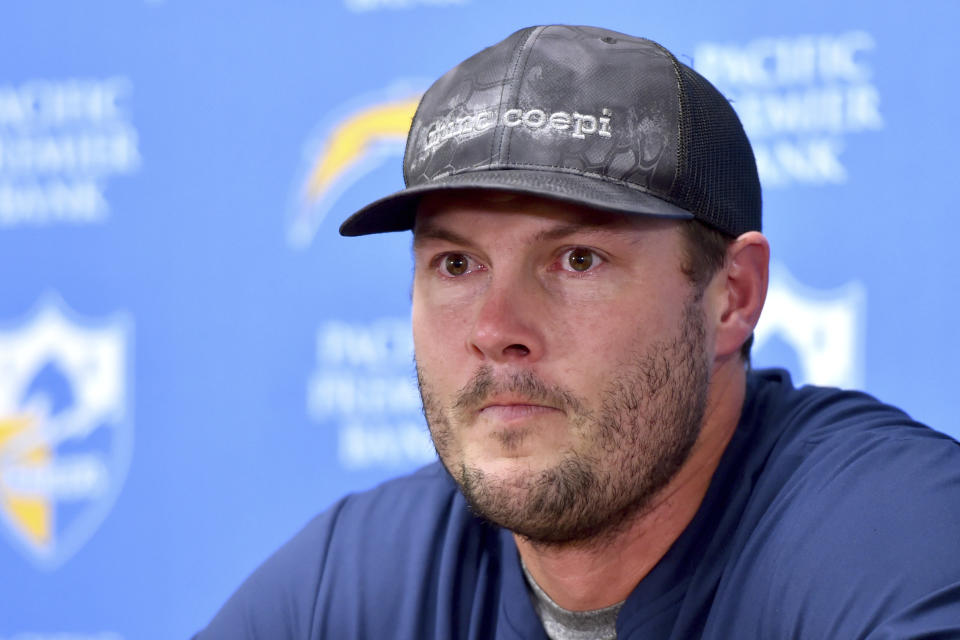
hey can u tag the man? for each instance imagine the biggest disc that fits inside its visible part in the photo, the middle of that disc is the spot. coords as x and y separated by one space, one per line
589 269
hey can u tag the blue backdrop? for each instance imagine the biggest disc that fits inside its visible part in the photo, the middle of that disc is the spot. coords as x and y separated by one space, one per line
193 362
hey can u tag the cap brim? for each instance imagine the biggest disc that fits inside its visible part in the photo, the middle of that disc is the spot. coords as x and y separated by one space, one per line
397 212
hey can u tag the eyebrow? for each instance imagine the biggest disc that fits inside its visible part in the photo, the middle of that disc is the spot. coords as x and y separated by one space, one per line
562 231
430 231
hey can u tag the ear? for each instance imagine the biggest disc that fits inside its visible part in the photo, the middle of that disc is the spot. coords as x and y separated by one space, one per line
741 288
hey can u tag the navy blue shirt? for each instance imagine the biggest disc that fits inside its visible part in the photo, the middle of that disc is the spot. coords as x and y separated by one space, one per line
831 515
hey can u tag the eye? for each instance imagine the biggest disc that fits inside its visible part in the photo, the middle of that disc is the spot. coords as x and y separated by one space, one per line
456 264
580 259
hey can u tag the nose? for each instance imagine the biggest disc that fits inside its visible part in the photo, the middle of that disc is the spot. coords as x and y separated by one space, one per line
507 325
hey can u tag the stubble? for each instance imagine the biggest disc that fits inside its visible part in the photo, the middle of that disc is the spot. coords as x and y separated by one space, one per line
627 450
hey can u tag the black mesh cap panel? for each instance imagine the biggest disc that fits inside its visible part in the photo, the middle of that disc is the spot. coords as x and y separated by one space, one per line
717 179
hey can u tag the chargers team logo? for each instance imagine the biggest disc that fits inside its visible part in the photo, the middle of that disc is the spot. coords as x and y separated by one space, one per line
65 427
369 132
825 329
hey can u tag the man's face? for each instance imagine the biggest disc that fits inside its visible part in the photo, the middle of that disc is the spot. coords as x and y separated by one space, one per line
562 358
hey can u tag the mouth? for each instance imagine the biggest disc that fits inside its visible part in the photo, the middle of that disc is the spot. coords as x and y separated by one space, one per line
506 409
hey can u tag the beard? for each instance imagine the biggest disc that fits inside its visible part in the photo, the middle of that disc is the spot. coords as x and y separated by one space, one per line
630 447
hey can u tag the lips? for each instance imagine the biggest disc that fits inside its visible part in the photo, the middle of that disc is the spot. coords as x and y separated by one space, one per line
510 399
510 394
505 410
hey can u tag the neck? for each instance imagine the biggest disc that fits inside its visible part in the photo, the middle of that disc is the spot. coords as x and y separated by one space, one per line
597 573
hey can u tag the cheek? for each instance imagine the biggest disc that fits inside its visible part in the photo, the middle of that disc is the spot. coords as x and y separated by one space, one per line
617 328
438 335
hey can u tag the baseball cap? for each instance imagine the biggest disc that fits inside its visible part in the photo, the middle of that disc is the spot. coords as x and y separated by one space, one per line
582 115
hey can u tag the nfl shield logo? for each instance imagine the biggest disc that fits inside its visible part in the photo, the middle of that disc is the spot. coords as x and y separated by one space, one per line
825 329
65 427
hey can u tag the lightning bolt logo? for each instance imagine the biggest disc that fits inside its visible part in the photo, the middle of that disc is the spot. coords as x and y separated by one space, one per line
356 145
